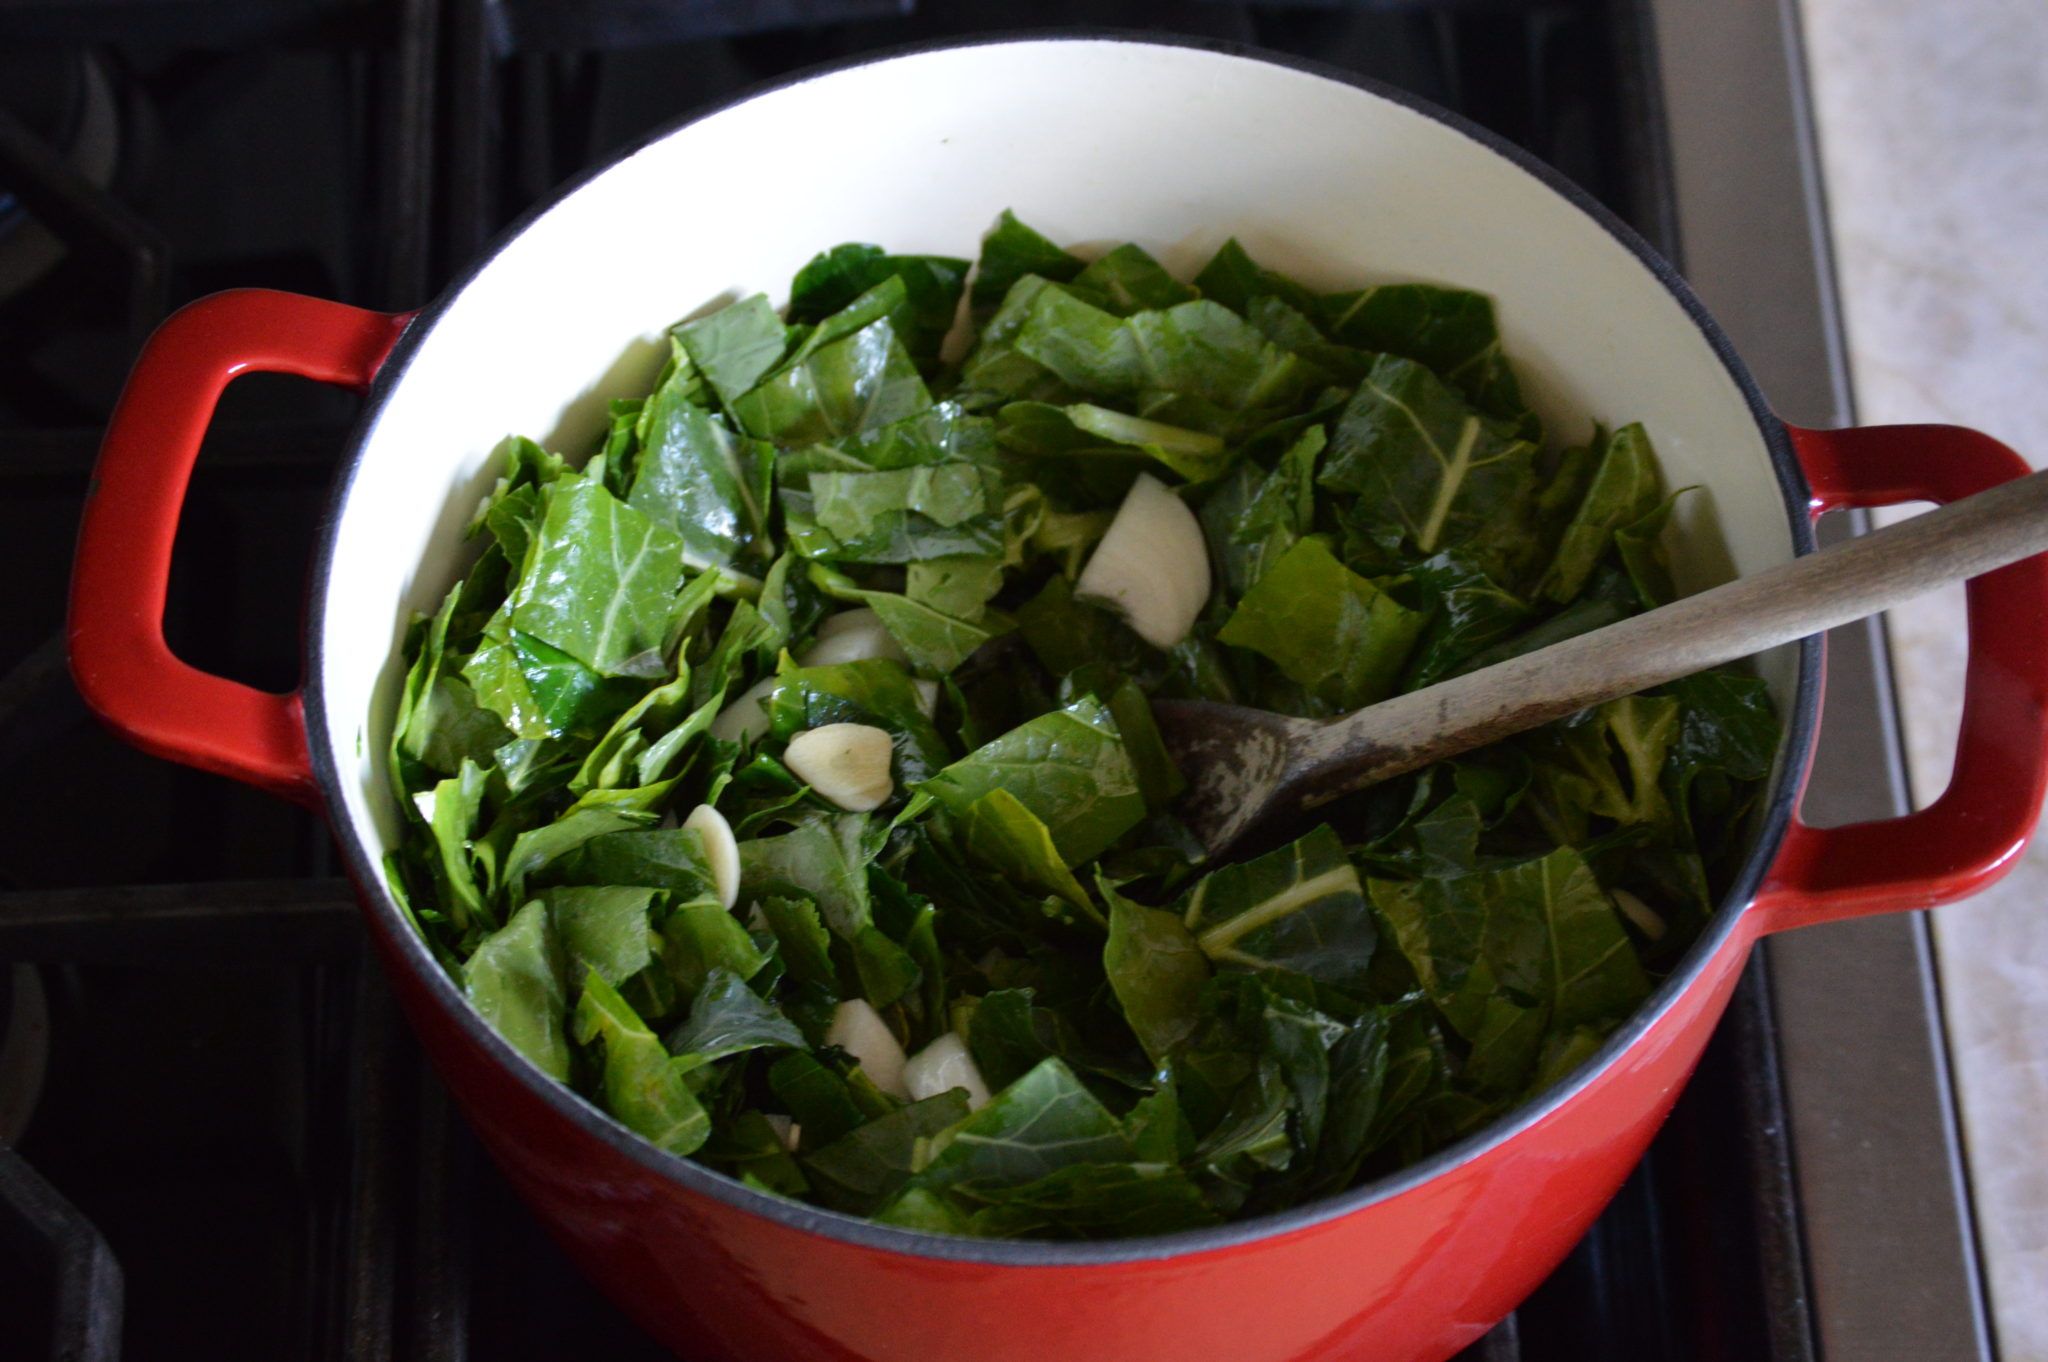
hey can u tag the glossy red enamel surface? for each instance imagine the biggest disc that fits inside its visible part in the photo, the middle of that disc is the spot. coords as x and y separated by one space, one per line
123 668
1978 828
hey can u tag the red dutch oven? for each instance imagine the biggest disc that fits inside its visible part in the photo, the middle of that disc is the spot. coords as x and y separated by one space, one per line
1100 138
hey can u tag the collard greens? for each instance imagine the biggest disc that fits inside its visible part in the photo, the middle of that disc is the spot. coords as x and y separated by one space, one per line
1167 1043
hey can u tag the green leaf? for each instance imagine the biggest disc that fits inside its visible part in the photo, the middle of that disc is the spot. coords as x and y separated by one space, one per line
1041 1123
1083 430
1067 634
1249 534
451 813
1129 280
1006 836
597 813
1327 628
824 861
857 383
440 724
1469 613
1299 910
897 515
1641 547
1010 252
1198 350
1156 970
1726 723
699 940
729 1018
1542 929
600 583
932 286
604 928
699 480
1625 488
806 947
1092 1201
671 859
958 585
515 980
821 1100
1452 331
1069 768
936 643
643 1084
1425 464
867 1166
1235 280
733 348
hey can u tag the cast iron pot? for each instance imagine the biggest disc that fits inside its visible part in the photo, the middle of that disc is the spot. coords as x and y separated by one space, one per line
1176 146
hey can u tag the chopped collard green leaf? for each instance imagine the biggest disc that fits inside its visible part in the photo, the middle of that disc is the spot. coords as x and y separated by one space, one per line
817 519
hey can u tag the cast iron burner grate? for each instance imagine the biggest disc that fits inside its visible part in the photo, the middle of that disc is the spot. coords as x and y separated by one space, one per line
231 1110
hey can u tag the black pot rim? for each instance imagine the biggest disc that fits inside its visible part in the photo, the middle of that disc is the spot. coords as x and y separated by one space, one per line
1772 819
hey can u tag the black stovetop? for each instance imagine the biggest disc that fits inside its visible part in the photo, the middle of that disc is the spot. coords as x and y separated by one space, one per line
228 1147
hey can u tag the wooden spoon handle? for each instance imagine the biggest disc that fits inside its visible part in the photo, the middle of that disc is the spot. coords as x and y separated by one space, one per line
1840 583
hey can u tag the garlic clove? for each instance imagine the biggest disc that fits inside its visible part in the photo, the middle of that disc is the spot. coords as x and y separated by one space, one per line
927 696
721 849
1642 914
942 1065
860 1031
847 764
1152 566
852 636
746 718
786 1129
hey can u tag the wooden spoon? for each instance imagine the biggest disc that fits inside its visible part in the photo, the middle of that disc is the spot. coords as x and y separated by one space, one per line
1245 766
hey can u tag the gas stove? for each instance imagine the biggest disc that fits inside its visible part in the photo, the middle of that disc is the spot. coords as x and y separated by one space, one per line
216 1138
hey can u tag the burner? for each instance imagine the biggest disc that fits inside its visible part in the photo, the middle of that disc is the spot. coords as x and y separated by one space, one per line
24 1048
68 103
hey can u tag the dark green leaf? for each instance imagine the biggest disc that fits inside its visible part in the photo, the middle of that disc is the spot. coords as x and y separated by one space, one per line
1069 768
733 348
600 583
857 383
516 981
1327 628
729 1018
1426 464
1157 971
867 1166
643 1085
1625 488
1008 253
1299 910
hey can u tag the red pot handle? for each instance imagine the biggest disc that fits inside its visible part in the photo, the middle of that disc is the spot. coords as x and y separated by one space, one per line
1976 831
119 659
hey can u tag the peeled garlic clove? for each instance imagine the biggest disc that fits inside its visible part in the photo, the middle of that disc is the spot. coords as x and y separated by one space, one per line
853 636
721 849
745 718
1640 913
942 1065
1152 566
786 1130
845 763
860 1031
927 696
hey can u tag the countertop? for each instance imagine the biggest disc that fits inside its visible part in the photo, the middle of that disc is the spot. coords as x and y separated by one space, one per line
1932 121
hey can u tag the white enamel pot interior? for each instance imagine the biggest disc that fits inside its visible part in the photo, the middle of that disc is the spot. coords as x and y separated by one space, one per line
1092 140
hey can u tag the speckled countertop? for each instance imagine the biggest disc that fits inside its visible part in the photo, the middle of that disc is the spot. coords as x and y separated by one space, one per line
1933 129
